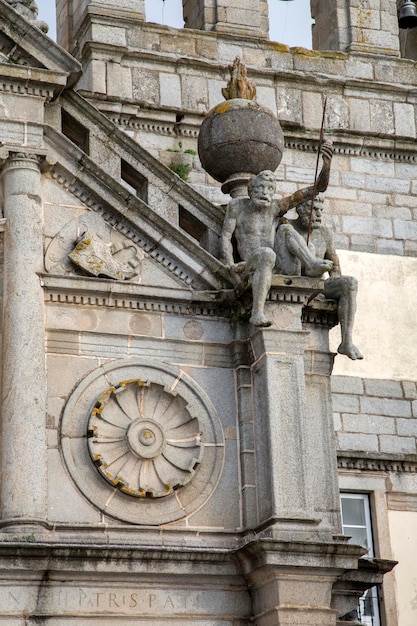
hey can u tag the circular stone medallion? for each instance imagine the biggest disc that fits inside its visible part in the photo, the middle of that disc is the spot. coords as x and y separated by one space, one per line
143 439
155 434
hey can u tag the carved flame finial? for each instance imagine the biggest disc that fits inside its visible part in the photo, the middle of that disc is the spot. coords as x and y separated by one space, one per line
239 85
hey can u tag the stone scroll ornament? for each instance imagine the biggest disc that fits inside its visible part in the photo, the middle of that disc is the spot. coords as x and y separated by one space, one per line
144 439
89 245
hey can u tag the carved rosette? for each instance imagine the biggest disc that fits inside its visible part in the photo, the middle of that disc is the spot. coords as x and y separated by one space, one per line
126 444
144 439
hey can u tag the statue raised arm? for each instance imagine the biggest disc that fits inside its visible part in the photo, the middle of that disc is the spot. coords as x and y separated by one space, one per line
253 221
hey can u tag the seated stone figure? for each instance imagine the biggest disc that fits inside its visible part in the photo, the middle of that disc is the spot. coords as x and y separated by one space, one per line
29 10
294 257
253 220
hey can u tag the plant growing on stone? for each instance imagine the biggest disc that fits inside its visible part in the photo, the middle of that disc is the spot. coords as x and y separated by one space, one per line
179 150
180 169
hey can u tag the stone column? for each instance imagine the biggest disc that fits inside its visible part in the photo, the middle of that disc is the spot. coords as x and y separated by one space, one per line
346 25
23 428
294 449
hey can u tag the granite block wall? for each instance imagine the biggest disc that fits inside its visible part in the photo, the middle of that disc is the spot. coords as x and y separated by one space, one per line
157 87
377 416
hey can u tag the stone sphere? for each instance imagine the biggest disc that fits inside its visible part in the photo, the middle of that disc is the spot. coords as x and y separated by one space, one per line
239 136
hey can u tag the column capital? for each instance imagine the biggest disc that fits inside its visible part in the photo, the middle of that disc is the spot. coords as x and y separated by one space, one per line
22 159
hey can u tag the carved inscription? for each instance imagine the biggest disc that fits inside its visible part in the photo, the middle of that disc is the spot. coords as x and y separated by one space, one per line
86 600
138 601
79 601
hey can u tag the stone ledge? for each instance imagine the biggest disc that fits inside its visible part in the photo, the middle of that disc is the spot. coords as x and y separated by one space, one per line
403 463
132 296
60 557
267 551
39 47
109 293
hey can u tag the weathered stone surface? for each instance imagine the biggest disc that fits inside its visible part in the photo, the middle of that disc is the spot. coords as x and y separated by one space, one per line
23 395
225 150
153 84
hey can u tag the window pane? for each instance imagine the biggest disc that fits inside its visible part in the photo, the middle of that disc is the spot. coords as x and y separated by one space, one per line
353 512
358 535
357 525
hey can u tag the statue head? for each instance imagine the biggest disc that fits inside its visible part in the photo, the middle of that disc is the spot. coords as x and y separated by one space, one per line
303 211
261 188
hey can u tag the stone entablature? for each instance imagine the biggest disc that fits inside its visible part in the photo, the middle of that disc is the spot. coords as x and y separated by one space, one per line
30 46
384 463
85 593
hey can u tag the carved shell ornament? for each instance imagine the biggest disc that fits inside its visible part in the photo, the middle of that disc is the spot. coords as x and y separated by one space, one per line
144 439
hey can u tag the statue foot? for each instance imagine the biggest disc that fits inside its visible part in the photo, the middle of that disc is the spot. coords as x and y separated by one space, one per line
350 350
259 319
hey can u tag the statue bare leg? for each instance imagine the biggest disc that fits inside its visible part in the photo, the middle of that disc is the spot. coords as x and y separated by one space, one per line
260 265
344 290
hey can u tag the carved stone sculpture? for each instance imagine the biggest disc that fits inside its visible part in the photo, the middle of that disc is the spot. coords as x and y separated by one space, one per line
294 257
95 257
240 137
239 86
29 10
93 246
253 221
144 439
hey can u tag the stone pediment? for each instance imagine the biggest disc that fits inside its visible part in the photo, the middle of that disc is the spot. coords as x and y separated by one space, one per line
22 44
73 179
32 63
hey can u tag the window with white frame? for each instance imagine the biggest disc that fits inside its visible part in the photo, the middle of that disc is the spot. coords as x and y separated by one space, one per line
356 521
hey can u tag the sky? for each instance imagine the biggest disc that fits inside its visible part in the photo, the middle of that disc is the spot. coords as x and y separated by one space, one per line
290 20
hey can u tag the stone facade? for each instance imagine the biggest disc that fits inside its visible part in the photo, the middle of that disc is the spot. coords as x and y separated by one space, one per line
238 522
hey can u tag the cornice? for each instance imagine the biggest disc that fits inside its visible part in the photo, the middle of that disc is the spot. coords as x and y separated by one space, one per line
100 292
363 462
36 45
62 557
141 116
25 81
